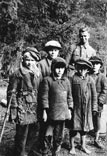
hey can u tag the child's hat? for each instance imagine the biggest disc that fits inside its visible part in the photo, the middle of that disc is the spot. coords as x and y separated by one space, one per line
96 59
51 44
33 52
58 62
83 62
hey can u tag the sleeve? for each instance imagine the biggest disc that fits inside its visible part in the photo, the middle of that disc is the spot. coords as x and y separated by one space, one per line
94 96
70 54
12 90
69 96
44 94
11 97
102 98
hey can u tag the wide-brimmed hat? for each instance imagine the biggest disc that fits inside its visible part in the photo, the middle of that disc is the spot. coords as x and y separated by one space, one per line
52 44
96 59
84 63
33 52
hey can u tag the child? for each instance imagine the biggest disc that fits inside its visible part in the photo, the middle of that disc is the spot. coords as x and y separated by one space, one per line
57 102
101 87
85 102
52 48
23 86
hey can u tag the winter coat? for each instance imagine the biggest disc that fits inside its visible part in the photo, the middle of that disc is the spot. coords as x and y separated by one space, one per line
56 98
101 88
56 95
45 67
23 87
85 102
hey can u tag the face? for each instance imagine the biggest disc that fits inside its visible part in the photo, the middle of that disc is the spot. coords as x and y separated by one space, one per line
84 37
53 53
28 61
82 71
96 67
59 72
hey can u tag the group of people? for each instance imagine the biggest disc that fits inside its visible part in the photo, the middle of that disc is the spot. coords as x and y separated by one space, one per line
45 93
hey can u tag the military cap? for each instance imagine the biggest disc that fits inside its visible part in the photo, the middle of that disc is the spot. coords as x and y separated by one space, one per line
51 44
96 59
33 52
83 62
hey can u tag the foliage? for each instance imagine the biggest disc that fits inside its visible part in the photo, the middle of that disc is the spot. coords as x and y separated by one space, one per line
24 22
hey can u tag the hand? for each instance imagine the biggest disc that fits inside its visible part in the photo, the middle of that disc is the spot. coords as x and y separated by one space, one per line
44 116
70 114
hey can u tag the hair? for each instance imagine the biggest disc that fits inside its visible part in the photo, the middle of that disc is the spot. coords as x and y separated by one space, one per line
83 29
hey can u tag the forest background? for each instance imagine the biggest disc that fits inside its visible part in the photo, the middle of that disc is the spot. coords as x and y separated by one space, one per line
34 22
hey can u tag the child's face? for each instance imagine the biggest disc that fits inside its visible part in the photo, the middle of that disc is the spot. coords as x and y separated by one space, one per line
28 61
82 71
59 71
96 67
53 53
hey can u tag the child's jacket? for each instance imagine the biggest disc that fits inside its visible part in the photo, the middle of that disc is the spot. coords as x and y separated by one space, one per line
101 88
85 102
23 85
56 98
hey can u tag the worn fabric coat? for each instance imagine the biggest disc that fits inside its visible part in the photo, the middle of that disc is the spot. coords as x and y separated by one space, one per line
85 102
56 98
56 95
23 87
45 67
101 87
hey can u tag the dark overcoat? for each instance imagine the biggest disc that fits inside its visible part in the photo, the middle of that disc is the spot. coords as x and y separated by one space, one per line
85 102
45 67
23 87
56 97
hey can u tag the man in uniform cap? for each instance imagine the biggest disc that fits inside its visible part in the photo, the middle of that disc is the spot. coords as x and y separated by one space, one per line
101 88
85 102
23 87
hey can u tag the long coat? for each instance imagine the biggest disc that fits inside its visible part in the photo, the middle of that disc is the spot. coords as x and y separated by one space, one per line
56 97
23 87
85 102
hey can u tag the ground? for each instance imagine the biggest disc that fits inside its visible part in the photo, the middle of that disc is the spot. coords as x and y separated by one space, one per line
7 143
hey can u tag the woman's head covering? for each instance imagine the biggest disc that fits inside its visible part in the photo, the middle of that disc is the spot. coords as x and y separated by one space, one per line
33 53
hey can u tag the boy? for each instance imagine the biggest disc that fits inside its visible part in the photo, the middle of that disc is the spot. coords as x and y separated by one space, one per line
23 87
52 48
85 102
101 87
57 102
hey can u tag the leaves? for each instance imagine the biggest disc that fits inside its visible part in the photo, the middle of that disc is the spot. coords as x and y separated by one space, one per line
36 22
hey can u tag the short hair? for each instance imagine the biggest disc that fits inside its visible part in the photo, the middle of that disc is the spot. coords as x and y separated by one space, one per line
83 29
